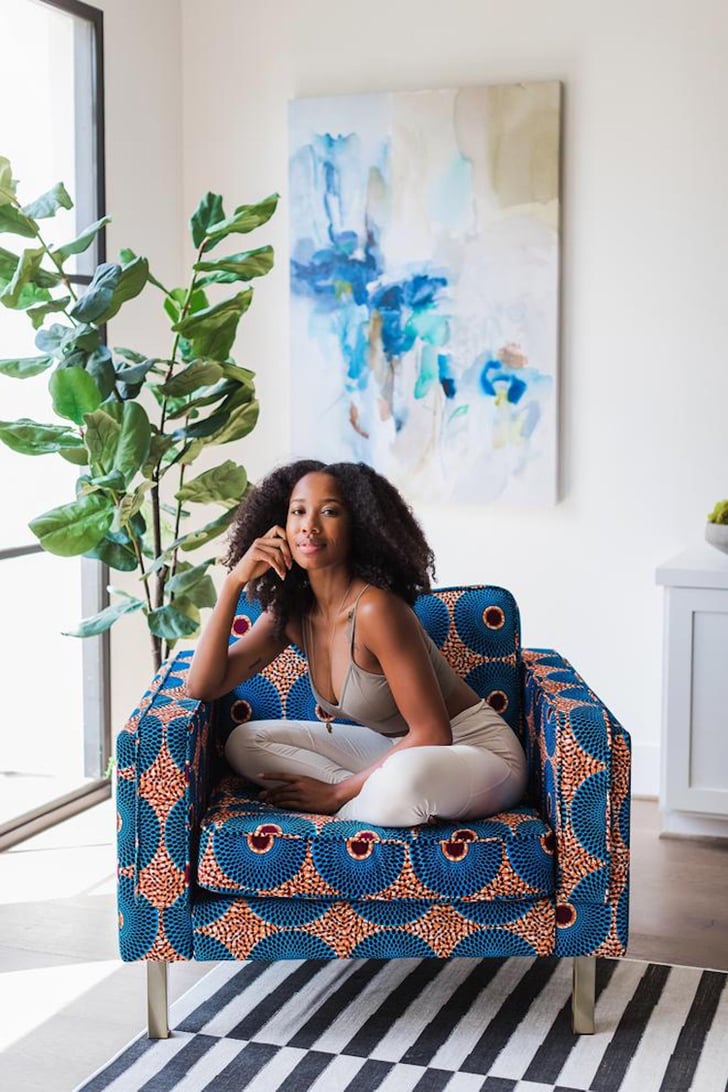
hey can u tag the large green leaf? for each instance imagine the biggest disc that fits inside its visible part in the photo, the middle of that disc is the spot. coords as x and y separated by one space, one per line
223 484
212 330
111 286
7 185
115 551
242 421
100 365
245 218
83 241
170 624
102 621
31 438
136 434
177 300
129 507
9 263
202 373
209 211
211 530
237 267
25 367
49 203
76 455
74 393
194 584
159 445
207 398
201 593
14 222
27 266
74 528
101 439
37 314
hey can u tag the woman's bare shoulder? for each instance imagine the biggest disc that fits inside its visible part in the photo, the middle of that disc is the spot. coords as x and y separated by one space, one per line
381 605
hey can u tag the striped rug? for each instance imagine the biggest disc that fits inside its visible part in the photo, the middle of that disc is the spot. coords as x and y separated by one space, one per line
500 1025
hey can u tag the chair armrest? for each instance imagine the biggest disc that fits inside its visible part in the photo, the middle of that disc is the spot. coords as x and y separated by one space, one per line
163 759
579 757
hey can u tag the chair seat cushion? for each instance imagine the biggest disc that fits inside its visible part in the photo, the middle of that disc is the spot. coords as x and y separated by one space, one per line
250 847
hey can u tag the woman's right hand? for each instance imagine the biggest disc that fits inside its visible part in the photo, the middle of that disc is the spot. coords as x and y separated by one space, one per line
269 552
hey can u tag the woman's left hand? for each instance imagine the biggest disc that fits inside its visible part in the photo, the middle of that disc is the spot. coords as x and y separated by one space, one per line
300 793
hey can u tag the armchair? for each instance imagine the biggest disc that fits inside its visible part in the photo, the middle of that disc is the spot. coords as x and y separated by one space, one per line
206 870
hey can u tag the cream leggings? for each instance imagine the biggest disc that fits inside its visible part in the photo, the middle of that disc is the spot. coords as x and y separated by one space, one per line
481 773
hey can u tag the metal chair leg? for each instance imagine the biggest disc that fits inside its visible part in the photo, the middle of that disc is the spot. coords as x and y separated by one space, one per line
157 1017
583 994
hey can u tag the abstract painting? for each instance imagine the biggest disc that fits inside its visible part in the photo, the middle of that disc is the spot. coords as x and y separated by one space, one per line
424 288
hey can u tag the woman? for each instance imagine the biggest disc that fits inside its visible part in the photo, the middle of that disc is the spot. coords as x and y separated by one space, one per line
337 559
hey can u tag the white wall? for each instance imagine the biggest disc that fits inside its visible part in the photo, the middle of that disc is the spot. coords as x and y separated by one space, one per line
143 60
644 443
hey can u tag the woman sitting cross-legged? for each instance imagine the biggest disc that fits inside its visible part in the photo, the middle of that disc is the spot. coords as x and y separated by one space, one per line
337 559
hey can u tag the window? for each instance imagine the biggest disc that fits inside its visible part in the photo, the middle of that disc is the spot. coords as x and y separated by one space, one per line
55 741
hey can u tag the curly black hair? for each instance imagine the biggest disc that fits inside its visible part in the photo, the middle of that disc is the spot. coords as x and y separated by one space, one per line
388 546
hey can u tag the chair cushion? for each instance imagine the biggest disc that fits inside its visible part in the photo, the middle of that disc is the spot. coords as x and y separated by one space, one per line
250 847
477 628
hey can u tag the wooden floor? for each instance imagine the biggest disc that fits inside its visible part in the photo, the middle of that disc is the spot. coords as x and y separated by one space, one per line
679 895
69 1004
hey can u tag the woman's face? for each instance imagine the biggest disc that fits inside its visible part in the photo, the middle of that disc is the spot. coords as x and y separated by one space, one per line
318 523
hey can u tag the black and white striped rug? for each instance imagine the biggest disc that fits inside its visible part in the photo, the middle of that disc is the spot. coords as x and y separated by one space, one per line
500 1025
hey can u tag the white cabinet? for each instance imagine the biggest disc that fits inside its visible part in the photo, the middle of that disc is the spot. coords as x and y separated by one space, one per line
694 774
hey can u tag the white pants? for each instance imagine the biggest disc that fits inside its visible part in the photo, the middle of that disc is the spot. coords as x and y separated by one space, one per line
481 773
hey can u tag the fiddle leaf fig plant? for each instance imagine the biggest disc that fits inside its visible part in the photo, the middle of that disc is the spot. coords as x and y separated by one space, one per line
135 424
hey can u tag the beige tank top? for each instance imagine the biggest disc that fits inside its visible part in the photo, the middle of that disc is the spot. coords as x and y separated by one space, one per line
365 696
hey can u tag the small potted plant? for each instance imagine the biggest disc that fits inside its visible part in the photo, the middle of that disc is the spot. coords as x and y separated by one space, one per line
716 529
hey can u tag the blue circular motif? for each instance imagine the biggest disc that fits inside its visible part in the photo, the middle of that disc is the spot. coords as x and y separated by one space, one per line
151 734
210 948
471 626
453 879
175 834
489 677
434 616
149 832
178 925
592 887
392 944
356 877
264 699
289 913
125 807
586 932
392 913
493 942
301 704
590 731
587 813
138 922
291 944
532 863
493 913
126 746
275 861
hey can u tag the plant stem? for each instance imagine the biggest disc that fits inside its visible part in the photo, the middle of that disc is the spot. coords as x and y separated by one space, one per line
57 264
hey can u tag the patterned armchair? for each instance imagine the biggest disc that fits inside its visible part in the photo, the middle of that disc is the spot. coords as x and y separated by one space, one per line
208 871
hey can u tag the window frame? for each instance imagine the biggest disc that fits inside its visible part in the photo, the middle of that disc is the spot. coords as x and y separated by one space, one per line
94 575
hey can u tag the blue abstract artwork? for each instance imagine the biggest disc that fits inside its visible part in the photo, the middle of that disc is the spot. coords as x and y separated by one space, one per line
424 272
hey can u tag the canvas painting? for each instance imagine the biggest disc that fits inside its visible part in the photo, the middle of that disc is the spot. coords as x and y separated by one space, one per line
424 288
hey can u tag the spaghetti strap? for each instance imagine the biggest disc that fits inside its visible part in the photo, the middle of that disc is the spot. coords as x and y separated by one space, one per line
352 620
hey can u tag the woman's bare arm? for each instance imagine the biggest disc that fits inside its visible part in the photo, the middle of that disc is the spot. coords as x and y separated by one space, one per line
215 669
